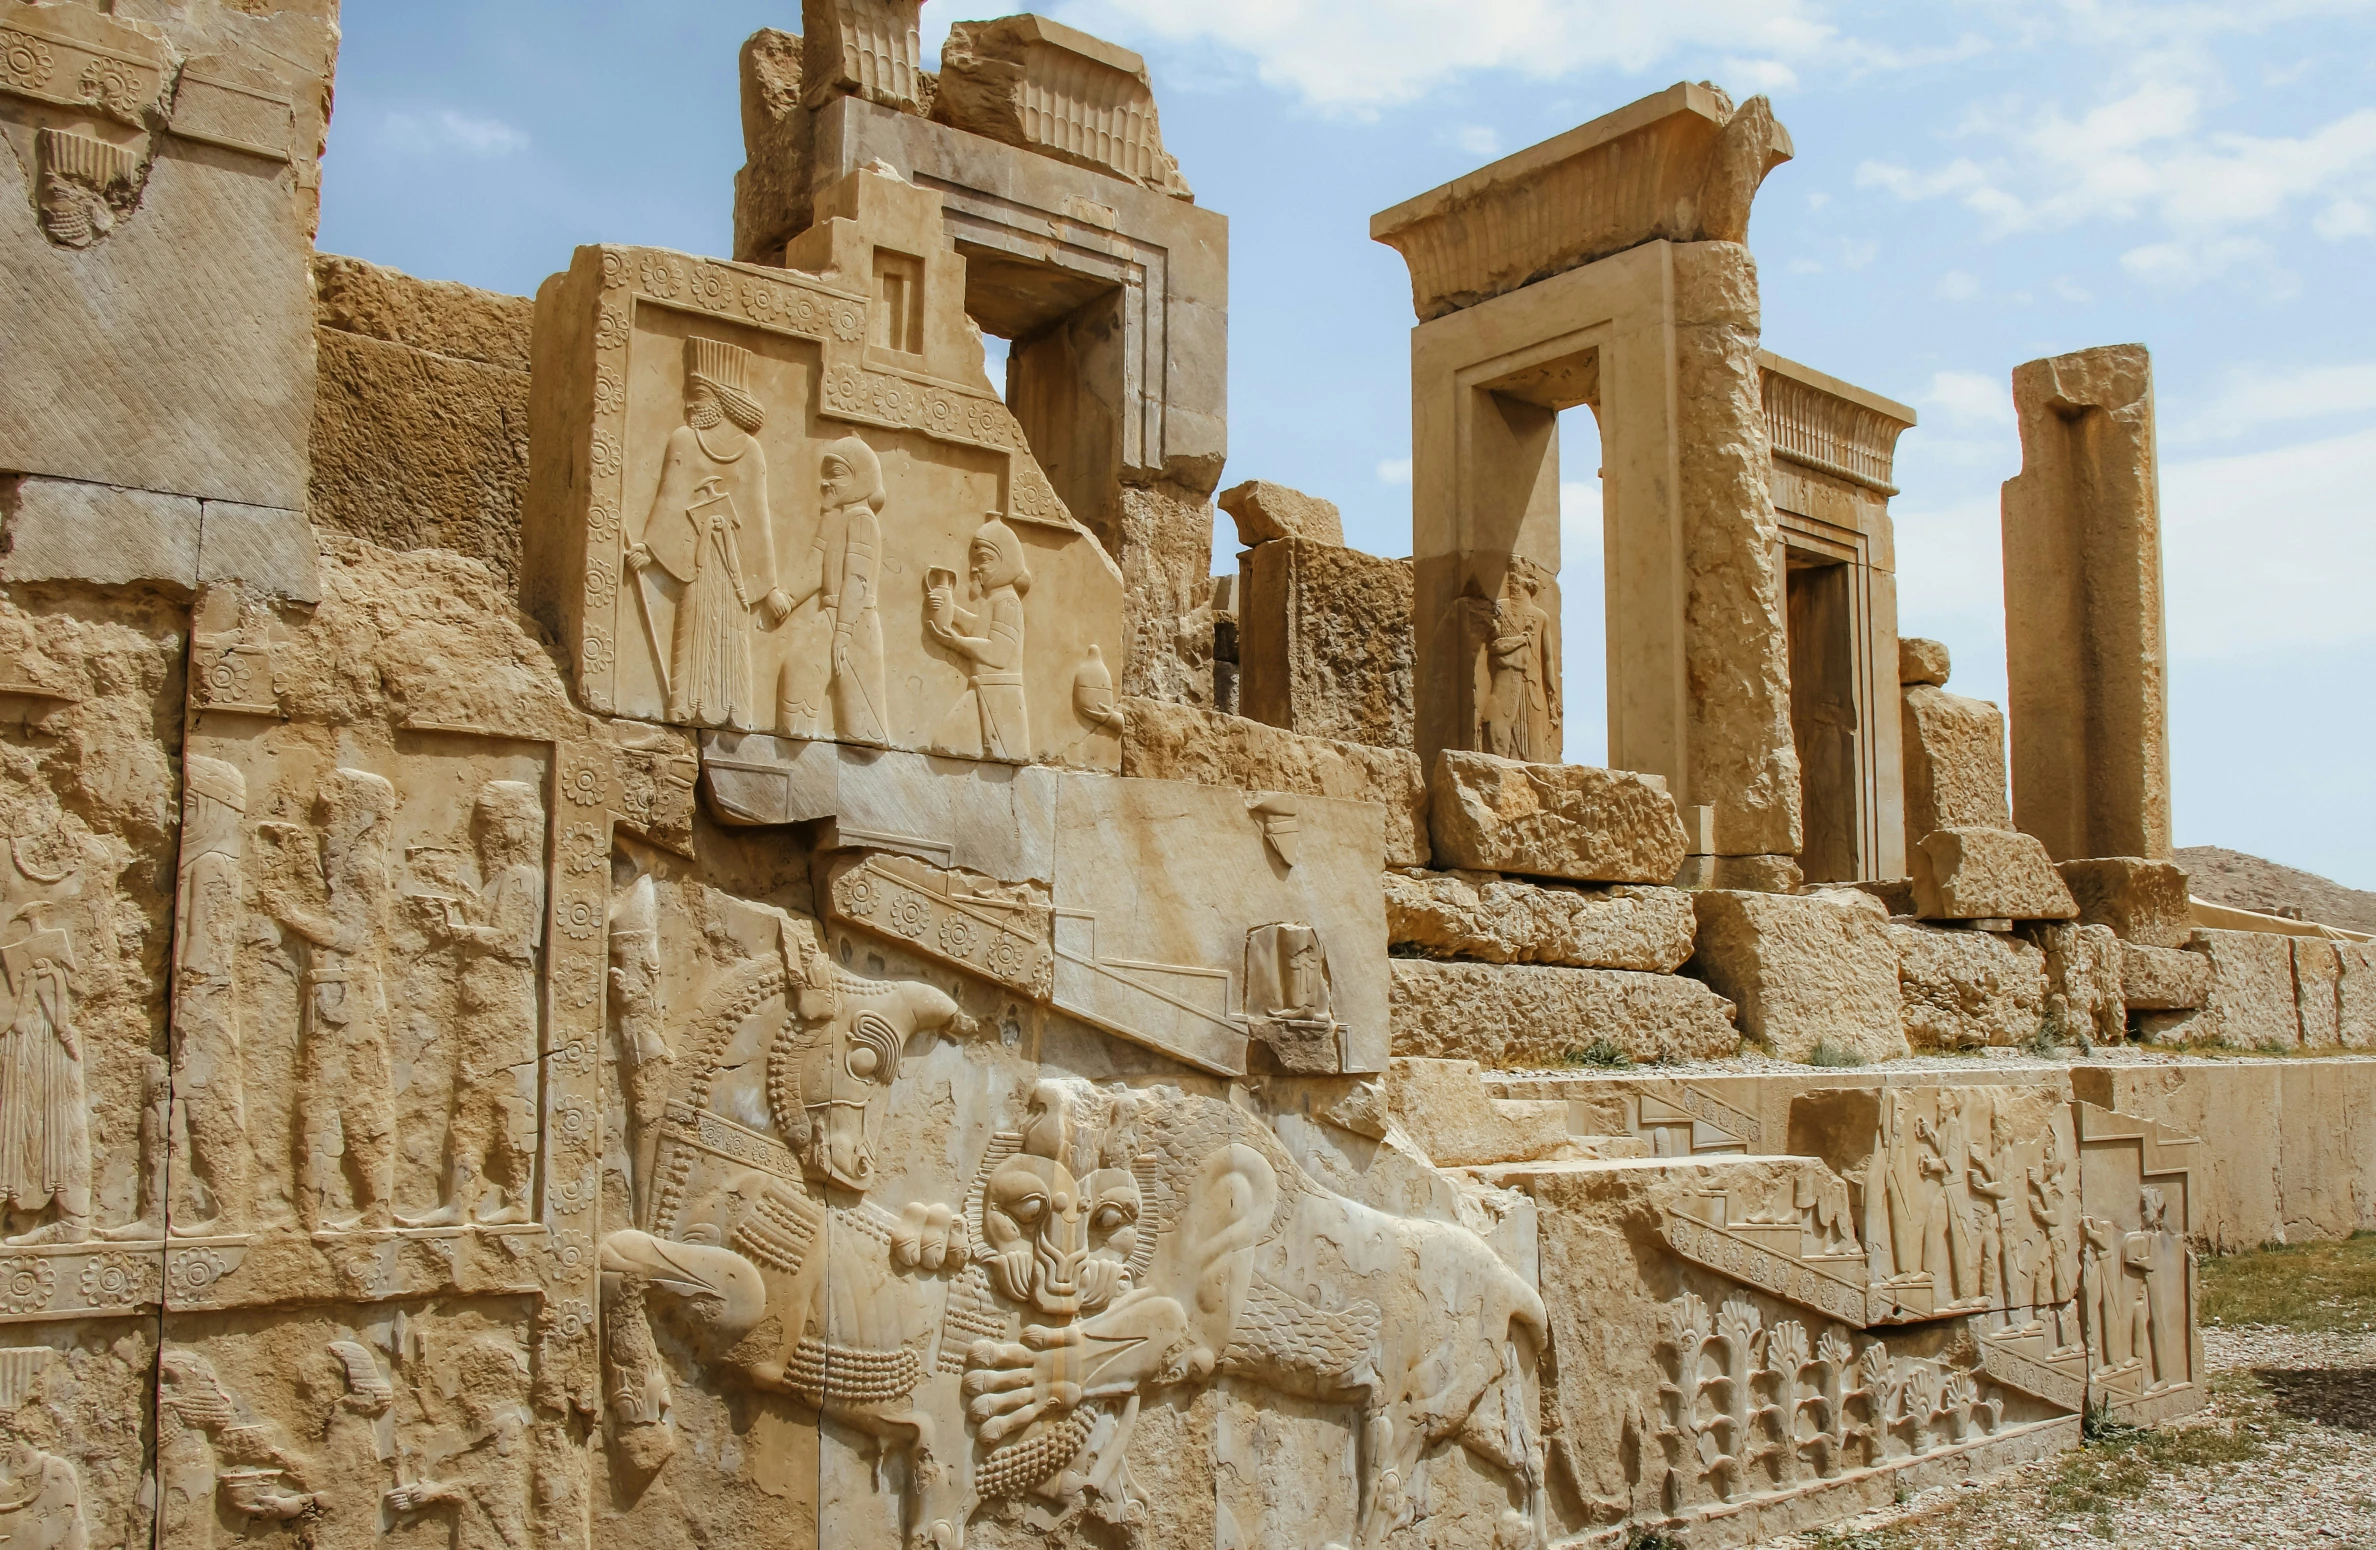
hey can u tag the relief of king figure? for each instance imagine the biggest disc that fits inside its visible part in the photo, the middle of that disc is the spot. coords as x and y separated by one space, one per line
710 530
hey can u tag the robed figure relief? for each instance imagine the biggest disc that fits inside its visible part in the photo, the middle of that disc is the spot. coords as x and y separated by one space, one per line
45 1139
1521 715
990 643
848 561
711 531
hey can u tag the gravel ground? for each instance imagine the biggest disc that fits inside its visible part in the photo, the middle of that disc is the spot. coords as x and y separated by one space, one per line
2284 1455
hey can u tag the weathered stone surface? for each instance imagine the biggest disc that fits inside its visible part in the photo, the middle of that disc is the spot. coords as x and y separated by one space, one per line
1324 642
1504 920
2084 999
1181 742
1509 1016
2355 1015
1982 874
1165 549
2318 992
159 336
1446 1109
1552 820
2251 1001
771 188
1681 166
1265 512
1804 970
414 449
1030 82
1967 989
1922 661
440 316
66 530
270 552
2085 654
1954 753
2163 979
2142 901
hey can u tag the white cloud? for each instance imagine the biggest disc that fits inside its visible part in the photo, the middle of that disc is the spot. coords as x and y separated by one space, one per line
1956 285
2259 395
440 131
1476 139
1361 55
1968 398
2270 550
2149 154
1394 470
2072 291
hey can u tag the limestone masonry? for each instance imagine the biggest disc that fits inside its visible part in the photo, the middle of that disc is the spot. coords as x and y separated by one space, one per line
660 916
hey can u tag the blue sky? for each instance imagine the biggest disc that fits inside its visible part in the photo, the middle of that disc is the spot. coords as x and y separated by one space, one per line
1976 185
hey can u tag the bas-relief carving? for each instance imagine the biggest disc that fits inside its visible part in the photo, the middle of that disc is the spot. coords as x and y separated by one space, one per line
1520 713
876 1210
756 491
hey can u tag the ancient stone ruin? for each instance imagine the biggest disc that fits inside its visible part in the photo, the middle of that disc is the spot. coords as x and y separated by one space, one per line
664 917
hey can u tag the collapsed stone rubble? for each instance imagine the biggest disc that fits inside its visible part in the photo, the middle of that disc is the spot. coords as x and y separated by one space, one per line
658 915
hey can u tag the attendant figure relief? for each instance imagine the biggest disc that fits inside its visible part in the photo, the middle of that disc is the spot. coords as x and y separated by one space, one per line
989 720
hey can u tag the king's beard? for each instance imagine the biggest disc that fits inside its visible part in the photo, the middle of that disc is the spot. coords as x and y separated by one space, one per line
705 414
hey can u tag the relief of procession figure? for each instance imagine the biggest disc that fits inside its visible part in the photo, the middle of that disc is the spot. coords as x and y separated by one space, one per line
710 529
208 1104
336 907
497 929
1521 715
848 558
990 719
45 1138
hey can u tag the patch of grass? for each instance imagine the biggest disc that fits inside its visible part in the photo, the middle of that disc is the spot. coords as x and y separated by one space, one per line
2042 1044
1826 1053
2120 1462
1603 1053
2313 1287
1652 1539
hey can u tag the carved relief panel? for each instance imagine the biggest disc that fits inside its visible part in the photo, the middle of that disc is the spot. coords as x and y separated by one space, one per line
788 501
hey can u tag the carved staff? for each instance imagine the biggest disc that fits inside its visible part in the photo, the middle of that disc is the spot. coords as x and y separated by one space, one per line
643 610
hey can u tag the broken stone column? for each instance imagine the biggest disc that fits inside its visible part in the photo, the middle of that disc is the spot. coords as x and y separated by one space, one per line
1606 267
1323 631
2085 652
1954 750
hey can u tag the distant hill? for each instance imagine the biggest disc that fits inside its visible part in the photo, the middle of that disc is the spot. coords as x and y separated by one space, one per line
2249 883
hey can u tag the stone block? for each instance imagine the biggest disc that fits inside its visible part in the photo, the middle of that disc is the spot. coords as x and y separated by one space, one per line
1495 919
1514 1016
2142 901
1266 512
65 530
863 48
2318 992
2251 1001
1165 548
269 552
1968 989
1445 1107
1552 820
1163 741
1954 755
440 316
1030 82
1922 661
2356 997
415 449
1984 874
1324 642
771 188
1682 166
2084 999
157 325
2163 979
2086 660
1803 970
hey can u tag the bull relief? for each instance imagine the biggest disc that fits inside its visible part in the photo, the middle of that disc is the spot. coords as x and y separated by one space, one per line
788 501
